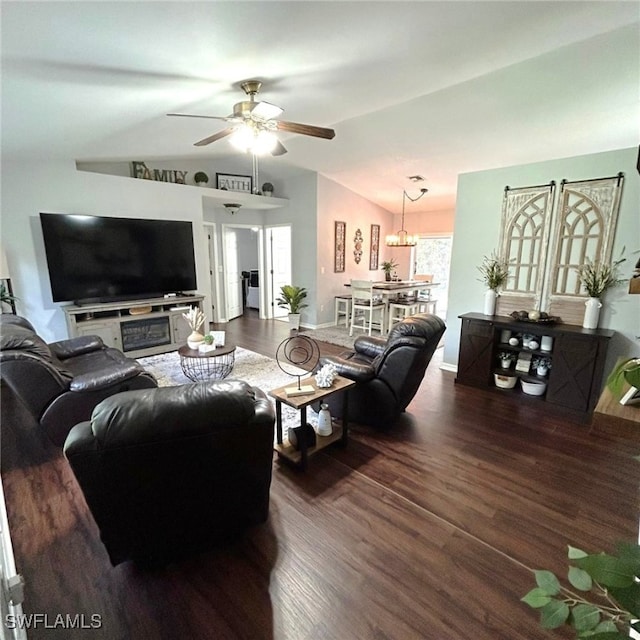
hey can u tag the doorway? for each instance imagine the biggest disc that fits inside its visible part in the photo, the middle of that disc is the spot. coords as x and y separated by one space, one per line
278 254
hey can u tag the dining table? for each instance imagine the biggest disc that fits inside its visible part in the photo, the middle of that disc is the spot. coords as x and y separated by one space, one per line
388 289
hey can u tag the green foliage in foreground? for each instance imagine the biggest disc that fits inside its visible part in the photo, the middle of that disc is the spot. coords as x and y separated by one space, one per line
604 601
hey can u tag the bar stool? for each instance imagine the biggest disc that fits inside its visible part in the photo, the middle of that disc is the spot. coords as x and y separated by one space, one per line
426 304
343 308
364 301
401 309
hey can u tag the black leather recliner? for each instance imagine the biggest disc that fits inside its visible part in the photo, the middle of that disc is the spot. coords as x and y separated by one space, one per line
60 383
388 371
173 470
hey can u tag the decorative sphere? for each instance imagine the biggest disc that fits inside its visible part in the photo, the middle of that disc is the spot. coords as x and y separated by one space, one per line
514 342
534 315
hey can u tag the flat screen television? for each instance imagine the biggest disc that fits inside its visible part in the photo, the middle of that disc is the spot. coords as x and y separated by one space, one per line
103 259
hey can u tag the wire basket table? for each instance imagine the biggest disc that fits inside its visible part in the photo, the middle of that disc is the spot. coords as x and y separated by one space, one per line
200 367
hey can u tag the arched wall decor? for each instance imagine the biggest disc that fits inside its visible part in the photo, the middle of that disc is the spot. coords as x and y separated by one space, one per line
526 215
543 263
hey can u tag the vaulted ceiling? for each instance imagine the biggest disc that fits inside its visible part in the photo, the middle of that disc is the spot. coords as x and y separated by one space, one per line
428 88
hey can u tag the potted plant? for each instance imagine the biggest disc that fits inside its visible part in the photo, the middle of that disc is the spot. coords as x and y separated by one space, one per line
267 189
541 364
506 357
495 273
602 601
292 298
596 277
626 371
388 266
201 178
6 298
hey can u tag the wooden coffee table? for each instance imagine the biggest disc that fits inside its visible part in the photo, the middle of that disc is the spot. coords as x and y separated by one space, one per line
340 432
201 366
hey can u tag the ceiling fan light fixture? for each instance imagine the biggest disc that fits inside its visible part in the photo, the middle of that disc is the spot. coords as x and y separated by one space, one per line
253 140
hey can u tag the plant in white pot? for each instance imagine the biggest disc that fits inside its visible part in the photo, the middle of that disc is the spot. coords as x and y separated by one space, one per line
495 273
292 298
267 189
596 277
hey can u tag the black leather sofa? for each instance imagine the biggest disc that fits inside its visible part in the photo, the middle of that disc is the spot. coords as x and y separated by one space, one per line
388 371
173 470
60 383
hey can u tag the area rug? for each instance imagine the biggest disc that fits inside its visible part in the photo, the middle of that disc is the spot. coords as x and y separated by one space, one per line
254 368
334 335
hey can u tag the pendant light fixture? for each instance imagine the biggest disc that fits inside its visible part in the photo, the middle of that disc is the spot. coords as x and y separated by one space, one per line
402 238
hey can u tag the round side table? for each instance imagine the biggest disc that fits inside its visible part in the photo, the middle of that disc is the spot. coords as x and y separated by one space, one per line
215 364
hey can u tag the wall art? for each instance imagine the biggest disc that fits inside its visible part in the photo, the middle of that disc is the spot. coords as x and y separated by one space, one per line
232 182
374 251
339 246
357 246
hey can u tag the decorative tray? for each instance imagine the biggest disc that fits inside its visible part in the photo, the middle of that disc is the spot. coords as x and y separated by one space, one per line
549 320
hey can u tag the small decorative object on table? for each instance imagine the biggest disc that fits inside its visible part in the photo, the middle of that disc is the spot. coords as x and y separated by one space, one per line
295 353
324 421
535 317
326 375
267 189
195 318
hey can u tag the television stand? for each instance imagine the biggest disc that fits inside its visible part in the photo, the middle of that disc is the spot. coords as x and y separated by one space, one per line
139 327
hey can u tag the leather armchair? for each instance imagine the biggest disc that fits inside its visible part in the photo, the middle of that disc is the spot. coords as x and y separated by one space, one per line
60 383
176 469
388 371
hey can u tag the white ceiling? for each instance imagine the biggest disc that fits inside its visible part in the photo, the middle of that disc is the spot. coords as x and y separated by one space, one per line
429 88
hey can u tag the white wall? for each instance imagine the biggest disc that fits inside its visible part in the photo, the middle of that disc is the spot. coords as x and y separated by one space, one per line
56 187
477 231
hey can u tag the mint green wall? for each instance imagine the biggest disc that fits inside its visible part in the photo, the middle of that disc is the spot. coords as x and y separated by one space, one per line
477 231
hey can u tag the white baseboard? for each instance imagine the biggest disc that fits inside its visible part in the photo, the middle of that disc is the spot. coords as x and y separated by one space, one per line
445 366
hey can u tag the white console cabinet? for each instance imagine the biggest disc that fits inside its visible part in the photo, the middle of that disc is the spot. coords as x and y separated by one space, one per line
137 327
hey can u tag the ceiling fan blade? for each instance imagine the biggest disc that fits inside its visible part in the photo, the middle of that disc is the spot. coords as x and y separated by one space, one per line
279 149
193 115
216 136
265 111
306 129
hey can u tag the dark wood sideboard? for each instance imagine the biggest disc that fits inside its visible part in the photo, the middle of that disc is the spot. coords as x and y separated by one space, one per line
577 359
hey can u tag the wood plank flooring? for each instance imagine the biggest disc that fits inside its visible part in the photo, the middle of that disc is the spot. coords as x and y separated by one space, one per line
428 530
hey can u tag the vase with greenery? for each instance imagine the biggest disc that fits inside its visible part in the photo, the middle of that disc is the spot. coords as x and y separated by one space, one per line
388 266
495 273
195 319
603 599
292 298
596 278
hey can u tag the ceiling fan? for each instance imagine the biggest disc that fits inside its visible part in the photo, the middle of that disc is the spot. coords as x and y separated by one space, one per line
253 125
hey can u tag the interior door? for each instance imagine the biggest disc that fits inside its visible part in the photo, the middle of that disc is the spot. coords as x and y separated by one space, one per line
279 265
233 279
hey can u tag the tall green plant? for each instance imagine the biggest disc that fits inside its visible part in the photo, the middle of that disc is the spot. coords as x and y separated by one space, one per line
5 296
291 298
604 603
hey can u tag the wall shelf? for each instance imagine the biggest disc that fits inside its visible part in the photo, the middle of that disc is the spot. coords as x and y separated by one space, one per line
248 200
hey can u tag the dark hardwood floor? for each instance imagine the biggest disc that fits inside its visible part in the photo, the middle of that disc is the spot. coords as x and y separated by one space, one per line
428 530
